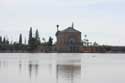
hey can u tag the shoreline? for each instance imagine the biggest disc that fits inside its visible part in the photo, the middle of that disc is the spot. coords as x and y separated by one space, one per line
57 52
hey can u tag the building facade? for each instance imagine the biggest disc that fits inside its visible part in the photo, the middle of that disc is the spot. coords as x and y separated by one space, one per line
68 40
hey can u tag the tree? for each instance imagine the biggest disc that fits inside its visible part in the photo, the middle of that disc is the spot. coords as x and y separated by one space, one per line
50 42
7 42
44 40
85 41
0 39
20 39
37 37
33 45
30 36
4 40
95 44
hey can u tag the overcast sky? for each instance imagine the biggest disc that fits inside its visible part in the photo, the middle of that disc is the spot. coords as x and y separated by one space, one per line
102 20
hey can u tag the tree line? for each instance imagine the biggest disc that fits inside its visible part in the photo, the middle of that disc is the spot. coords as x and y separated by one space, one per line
34 42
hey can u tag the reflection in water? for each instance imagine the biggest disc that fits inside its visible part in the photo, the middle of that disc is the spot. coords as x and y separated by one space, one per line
33 68
68 73
4 63
0 63
20 66
46 68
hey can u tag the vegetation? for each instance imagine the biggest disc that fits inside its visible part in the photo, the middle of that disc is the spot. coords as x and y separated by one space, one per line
50 42
34 43
20 39
30 36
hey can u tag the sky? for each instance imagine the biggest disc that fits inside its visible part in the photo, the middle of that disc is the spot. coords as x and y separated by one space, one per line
102 20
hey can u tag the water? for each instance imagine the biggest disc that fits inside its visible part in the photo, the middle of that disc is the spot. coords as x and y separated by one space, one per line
62 68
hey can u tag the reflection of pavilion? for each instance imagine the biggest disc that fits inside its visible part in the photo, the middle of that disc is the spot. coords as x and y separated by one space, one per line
68 73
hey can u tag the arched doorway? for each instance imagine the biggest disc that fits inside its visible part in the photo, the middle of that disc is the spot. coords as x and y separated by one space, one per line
72 45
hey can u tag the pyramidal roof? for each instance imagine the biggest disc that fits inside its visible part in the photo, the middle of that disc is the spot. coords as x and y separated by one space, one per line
70 29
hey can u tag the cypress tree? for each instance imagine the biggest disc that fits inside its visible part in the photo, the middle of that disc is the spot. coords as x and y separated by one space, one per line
37 37
20 39
0 39
30 36
50 42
